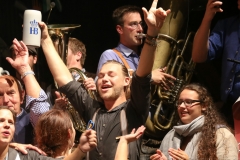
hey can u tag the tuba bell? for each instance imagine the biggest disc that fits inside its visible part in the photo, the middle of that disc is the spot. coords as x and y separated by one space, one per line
60 34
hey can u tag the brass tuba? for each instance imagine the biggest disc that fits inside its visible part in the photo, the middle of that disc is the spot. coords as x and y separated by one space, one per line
60 34
171 53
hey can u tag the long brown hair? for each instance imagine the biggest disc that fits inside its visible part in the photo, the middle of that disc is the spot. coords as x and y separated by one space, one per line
51 132
207 142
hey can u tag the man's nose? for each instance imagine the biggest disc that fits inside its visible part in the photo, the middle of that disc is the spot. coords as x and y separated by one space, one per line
140 27
5 98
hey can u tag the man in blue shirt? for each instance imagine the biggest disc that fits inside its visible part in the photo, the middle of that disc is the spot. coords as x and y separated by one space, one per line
222 42
129 24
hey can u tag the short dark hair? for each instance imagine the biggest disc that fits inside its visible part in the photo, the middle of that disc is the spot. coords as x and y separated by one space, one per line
118 13
77 46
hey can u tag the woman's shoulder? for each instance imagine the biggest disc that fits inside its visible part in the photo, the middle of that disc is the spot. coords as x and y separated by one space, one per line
225 132
33 155
227 146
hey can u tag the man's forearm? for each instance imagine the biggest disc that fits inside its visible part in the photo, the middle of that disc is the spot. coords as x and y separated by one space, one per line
58 69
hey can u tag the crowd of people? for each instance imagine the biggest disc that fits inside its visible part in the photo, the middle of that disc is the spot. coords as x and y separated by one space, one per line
38 126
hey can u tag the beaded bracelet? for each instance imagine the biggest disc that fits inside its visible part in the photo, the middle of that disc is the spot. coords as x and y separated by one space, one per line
27 73
151 43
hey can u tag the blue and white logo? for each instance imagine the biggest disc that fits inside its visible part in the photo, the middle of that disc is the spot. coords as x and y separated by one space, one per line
34 27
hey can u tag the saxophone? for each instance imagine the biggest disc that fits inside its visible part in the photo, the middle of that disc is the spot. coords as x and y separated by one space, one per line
60 34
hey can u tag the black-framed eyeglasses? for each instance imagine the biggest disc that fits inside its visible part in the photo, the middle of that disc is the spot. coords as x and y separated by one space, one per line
187 102
136 24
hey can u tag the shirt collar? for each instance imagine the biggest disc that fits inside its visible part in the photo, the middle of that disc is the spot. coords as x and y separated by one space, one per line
20 113
119 107
127 51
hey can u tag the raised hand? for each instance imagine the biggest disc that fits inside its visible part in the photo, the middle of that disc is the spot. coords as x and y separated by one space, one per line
44 29
155 17
133 136
178 154
212 8
20 61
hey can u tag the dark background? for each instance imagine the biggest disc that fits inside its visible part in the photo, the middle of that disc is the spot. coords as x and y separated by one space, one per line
97 31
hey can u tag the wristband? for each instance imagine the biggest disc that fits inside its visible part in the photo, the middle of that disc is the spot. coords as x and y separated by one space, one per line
152 41
27 73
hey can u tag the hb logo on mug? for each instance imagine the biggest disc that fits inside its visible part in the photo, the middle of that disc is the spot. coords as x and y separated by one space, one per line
33 27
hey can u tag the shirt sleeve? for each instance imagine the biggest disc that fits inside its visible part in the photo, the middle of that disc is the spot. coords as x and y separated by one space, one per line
37 106
216 40
80 100
140 95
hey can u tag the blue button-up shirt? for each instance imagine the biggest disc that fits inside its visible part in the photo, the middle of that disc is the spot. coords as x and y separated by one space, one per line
131 57
224 43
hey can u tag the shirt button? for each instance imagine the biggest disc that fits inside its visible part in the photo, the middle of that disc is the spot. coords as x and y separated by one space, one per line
100 138
100 154
230 80
228 88
103 125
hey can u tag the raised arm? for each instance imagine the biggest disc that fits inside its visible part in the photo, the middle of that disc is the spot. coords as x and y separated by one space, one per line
35 96
200 43
154 19
20 63
58 69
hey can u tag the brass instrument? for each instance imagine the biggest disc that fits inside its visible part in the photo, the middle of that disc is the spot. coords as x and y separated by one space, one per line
60 34
171 53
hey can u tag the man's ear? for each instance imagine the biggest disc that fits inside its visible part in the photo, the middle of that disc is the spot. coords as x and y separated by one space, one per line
127 81
119 29
22 96
79 55
35 59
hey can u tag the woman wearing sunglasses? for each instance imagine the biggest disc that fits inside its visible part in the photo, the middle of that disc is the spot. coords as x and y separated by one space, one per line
201 133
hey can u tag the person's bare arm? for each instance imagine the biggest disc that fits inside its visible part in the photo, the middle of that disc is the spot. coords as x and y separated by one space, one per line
122 149
200 43
88 141
20 63
58 69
